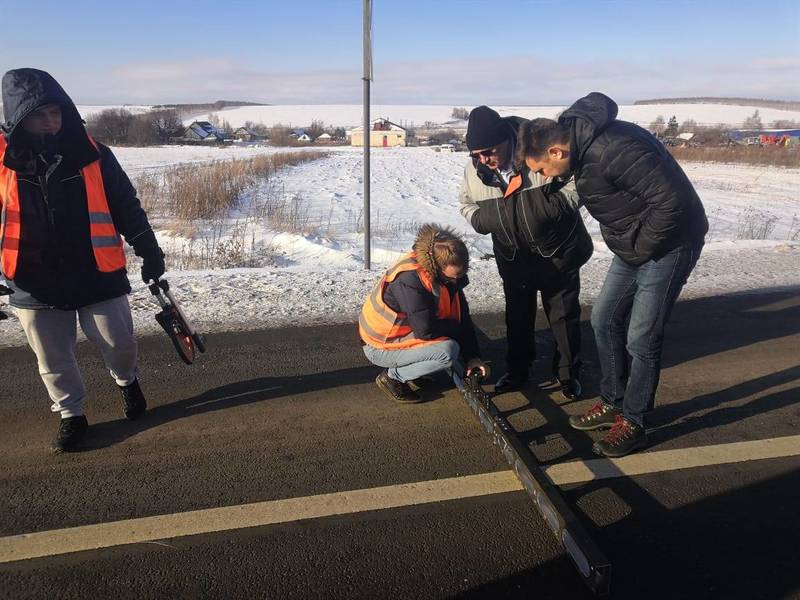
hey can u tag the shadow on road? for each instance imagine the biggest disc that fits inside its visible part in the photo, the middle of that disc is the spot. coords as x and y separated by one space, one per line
225 397
719 547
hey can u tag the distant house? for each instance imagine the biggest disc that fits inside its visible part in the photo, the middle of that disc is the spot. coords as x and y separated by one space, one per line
203 131
325 138
383 133
301 136
243 134
766 137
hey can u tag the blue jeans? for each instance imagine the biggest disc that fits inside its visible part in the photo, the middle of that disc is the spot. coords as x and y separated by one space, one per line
630 356
411 363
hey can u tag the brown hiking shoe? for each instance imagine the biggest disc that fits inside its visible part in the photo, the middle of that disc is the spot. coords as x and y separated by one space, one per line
397 391
623 438
600 416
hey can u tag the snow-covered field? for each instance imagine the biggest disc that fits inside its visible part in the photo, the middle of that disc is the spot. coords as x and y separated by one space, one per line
349 115
319 278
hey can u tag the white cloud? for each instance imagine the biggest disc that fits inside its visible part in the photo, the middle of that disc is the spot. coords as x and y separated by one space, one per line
512 80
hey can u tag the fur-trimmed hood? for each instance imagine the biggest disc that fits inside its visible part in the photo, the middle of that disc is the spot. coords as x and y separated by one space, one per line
427 237
423 248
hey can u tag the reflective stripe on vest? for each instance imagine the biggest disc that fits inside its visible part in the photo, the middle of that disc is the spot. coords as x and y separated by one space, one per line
382 327
106 242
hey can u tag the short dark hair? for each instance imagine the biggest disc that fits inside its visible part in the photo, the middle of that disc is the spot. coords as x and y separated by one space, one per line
537 135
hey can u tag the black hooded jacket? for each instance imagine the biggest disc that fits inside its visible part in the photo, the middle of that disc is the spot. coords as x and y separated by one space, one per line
631 184
532 226
56 265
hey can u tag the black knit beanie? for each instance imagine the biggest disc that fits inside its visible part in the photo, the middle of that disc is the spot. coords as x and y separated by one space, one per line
485 129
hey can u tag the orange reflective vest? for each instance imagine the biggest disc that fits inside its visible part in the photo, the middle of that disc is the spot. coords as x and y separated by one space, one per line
381 327
106 242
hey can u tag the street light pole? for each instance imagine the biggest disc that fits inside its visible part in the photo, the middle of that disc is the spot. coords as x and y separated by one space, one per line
367 133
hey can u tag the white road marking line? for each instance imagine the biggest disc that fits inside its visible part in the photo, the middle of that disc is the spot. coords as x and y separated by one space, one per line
671 460
161 527
147 529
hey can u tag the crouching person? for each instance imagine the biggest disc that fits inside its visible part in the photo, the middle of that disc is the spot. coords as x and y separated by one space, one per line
65 202
416 321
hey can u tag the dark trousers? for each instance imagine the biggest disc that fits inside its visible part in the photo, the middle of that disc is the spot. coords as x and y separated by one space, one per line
628 321
560 293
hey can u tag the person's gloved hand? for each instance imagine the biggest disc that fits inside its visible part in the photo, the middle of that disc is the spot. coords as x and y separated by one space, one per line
153 265
146 247
477 363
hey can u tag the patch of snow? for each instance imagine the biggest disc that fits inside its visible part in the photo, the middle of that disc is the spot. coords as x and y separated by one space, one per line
318 277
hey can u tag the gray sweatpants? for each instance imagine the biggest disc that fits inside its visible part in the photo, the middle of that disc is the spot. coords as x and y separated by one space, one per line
52 335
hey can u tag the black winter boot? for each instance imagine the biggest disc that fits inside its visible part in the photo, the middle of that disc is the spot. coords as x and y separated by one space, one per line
70 433
511 382
133 400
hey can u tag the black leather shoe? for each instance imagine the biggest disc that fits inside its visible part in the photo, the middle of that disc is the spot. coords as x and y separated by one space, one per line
133 401
510 382
570 389
70 433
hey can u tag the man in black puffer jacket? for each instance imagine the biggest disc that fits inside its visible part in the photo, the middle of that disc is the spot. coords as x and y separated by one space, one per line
66 200
654 222
539 242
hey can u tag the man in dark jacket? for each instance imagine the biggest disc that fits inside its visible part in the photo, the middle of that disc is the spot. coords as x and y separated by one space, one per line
416 321
66 200
539 241
652 219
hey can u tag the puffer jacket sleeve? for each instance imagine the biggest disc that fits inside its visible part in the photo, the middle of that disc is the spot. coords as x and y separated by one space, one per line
126 210
480 204
642 171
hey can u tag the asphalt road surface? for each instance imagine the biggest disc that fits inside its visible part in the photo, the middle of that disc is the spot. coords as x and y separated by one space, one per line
310 484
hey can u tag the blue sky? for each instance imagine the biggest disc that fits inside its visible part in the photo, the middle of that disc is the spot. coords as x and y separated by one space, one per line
460 52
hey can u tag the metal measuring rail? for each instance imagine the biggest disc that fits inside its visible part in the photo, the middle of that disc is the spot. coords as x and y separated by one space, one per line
589 560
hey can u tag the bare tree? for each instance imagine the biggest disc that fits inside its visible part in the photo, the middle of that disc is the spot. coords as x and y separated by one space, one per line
257 128
167 124
658 126
753 122
459 112
785 124
279 135
443 136
110 126
316 129
141 132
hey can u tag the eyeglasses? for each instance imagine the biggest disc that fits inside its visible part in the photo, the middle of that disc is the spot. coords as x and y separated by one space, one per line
488 153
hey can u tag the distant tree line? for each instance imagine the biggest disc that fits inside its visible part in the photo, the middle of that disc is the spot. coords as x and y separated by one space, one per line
760 102
184 109
120 127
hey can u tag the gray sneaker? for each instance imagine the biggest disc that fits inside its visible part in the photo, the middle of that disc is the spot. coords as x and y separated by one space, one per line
600 416
625 437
